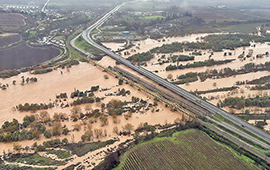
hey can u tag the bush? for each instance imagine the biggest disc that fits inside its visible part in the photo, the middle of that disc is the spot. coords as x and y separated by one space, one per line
47 134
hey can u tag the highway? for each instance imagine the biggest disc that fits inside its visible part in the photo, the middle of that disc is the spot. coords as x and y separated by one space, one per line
174 88
43 8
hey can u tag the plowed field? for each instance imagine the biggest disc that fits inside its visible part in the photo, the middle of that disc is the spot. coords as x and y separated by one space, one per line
23 56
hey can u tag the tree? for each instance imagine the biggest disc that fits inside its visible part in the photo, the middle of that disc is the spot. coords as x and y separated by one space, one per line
26 148
66 131
128 127
22 83
88 134
98 133
170 76
120 82
240 104
74 117
77 127
36 134
40 148
44 114
103 119
47 134
56 128
247 111
76 110
115 130
106 76
152 129
88 108
56 117
65 141
17 147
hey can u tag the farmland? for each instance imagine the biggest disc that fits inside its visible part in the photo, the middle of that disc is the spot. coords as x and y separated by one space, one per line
151 17
10 19
189 149
23 55
5 41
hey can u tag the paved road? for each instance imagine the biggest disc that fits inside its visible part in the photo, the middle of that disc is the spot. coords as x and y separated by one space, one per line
240 132
43 8
174 88
241 144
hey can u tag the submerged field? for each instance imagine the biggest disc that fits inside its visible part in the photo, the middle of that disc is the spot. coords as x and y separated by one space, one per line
23 55
189 149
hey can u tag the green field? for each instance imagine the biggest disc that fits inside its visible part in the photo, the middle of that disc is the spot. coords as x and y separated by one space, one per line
243 28
33 32
61 154
81 43
152 17
34 159
59 38
190 149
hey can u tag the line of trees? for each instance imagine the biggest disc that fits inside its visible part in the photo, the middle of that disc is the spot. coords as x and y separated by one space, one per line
145 56
241 102
198 64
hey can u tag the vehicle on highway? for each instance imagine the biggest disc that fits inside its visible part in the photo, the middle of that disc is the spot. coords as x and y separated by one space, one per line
198 100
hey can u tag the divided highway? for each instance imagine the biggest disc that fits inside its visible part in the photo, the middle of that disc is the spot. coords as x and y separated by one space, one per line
174 88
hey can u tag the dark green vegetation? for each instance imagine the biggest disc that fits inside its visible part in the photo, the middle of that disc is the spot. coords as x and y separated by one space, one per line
69 63
216 90
261 80
42 71
72 167
188 149
23 56
198 64
8 73
10 130
176 58
261 87
186 78
16 167
81 149
61 154
33 159
141 57
239 103
228 72
15 131
214 42
34 107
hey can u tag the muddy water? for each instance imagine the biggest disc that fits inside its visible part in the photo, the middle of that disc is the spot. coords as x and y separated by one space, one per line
80 77
152 65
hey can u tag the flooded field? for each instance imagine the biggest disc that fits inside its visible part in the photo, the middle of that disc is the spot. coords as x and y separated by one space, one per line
209 84
80 77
